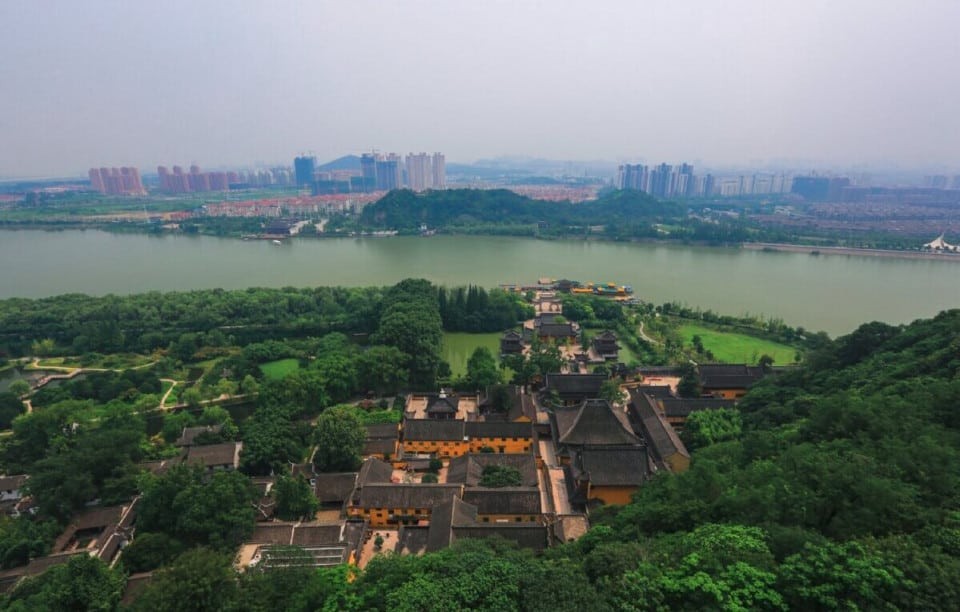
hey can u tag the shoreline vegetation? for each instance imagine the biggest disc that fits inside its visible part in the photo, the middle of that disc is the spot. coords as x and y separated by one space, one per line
767 247
771 247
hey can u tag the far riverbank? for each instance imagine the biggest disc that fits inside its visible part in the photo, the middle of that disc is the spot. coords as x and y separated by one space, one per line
829 250
156 230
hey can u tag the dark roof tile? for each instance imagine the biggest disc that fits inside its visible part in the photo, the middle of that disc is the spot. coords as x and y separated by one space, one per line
406 495
452 513
682 407
661 438
499 429
596 423
504 500
614 466
431 429
374 471
468 469
334 488
575 384
215 455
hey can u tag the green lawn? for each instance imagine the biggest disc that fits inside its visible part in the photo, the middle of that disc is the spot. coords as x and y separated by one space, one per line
275 370
458 346
731 347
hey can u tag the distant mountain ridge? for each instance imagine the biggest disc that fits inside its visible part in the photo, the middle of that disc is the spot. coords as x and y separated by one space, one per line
347 162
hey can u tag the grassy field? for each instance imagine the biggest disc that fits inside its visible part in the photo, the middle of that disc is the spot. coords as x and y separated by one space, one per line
457 348
730 347
275 370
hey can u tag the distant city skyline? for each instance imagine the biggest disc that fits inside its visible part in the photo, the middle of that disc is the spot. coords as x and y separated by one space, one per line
740 83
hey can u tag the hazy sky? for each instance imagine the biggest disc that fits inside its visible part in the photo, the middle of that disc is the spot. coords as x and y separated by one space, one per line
230 83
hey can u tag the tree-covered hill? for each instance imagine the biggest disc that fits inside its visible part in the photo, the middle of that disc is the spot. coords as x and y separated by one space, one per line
404 209
841 490
847 474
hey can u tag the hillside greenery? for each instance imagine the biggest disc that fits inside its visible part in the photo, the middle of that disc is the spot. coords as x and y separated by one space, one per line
835 484
840 489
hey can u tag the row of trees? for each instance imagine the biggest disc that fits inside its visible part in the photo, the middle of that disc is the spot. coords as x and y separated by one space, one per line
473 309
410 321
77 324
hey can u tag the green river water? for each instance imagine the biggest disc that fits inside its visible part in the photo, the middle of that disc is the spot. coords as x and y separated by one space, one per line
834 293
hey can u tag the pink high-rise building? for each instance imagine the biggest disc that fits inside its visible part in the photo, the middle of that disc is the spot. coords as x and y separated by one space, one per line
195 180
117 181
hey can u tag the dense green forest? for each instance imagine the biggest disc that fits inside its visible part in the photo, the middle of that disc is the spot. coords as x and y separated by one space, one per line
77 324
834 485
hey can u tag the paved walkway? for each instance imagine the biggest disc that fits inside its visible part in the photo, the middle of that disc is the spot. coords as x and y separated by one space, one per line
163 400
546 503
645 336
555 482
558 490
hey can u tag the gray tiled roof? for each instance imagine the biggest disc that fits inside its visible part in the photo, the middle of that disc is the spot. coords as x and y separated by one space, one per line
374 471
444 518
213 455
587 385
596 423
468 469
189 434
504 500
431 429
728 376
456 520
499 429
334 488
661 438
406 495
614 466
682 407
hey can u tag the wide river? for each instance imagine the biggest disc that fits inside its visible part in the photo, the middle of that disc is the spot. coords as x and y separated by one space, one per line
834 293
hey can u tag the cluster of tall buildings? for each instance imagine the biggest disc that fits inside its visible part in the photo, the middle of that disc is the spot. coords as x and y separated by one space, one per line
265 177
666 181
196 181
377 172
663 181
179 181
117 181
426 171
419 172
